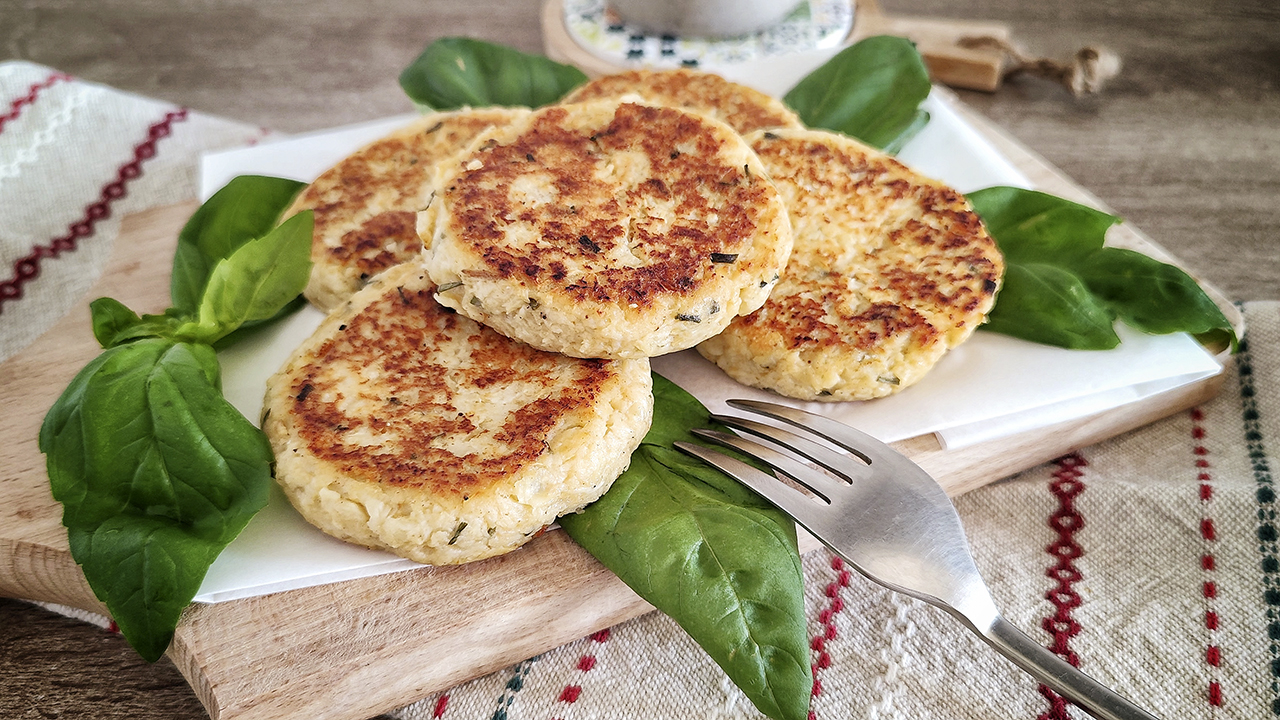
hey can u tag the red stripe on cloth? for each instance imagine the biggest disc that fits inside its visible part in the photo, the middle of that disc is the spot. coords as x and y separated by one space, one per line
1066 520
586 663
822 659
1208 564
33 93
442 702
1207 530
27 268
570 693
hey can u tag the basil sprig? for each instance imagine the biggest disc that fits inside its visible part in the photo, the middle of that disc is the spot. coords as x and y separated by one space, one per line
155 471
1063 287
871 90
711 554
458 72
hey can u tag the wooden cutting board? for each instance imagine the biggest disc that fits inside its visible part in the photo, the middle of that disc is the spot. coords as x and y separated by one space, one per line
354 649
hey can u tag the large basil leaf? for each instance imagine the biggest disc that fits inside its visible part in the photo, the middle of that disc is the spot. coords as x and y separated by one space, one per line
1062 287
156 474
1035 227
711 554
1152 296
458 72
248 207
871 90
1049 305
258 279
155 471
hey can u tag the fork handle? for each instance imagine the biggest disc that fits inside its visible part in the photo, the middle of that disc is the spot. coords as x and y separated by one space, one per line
1095 698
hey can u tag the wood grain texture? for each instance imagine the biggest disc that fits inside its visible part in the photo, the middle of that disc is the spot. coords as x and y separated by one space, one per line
1184 143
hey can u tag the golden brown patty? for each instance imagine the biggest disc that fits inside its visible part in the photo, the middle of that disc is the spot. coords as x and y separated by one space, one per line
366 206
404 426
890 269
607 229
743 108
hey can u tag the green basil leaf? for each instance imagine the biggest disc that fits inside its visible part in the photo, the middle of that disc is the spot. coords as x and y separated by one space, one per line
248 207
250 328
1154 297
459 72
1063 287
871 90
1035 227
110 318
114 324
711 554
156 474
921 120
1049 305
259 279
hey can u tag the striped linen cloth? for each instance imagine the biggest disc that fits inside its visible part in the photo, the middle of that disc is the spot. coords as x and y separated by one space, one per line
1151 560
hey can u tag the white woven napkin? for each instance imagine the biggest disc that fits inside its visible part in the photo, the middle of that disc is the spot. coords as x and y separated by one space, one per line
76 157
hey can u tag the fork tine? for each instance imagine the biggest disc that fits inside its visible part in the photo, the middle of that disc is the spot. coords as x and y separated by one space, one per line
824 486
786 499
855 441
822 455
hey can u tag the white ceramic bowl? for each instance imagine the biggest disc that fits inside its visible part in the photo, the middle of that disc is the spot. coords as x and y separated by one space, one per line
703 18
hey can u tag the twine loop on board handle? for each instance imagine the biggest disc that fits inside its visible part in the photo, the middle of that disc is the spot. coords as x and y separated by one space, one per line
1086 72
981 54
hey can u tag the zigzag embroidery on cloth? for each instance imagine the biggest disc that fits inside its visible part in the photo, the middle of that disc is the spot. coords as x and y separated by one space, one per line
1066 521
827 617
33 93
77 98
586 663
27 268
1267 533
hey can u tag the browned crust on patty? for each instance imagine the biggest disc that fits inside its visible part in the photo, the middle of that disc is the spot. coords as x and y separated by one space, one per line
414 400
676 255
742 108
889 270
365 207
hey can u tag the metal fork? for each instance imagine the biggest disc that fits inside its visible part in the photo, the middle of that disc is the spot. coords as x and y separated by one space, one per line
893 522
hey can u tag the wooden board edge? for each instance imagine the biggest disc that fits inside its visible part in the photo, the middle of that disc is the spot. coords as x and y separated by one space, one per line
549 593
27 575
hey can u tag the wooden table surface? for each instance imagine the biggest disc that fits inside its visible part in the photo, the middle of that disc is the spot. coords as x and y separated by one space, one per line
1185 144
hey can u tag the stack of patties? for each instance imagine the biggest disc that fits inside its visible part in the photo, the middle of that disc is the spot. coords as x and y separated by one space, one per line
495 375
520 267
